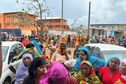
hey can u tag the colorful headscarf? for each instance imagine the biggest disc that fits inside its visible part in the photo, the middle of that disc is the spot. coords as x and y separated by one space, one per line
37 46
85 62
90 65
78 61
91 79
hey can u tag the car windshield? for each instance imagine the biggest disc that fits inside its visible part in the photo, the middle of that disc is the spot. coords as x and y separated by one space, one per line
4 52
121 54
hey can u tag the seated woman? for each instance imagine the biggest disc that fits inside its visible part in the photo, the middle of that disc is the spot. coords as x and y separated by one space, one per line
86 75
22 70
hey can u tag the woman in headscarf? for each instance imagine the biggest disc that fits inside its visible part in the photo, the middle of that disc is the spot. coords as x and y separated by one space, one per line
83 54
123 70
110 74
22 70
95 61
36 71
60 54
86 75
57 74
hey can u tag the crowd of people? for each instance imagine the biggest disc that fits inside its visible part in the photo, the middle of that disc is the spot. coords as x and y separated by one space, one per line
70 40
61 67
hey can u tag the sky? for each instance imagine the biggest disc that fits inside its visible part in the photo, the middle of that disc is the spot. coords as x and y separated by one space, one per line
76 11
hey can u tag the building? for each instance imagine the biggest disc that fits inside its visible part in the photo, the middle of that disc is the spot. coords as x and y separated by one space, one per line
98 31
55 24
111 29
27 23
18 20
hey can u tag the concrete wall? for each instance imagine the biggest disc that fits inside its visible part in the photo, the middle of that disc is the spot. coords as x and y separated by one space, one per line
111 27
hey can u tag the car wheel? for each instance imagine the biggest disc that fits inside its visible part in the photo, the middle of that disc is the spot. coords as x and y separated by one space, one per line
7 81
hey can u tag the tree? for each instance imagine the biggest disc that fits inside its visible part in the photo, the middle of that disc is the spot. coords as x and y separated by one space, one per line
38 8
24 19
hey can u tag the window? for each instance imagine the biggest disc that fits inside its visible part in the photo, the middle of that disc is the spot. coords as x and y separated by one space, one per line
15 51
12 53
19 48
4 52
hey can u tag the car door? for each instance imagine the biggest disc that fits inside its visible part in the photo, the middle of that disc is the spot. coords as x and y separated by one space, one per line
11 63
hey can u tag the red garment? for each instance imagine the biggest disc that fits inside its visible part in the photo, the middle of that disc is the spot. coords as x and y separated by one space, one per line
106 78
124 81
71 80
25 42
45 57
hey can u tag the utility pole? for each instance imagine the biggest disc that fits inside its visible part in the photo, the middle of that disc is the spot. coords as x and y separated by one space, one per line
1 63
62 16
89 18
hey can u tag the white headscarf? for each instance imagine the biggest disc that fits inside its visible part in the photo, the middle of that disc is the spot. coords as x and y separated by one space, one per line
124 62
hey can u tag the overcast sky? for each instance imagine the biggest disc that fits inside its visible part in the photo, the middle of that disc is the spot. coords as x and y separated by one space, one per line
102 11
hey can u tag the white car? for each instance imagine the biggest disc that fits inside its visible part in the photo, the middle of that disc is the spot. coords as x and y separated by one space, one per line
106 51
10 51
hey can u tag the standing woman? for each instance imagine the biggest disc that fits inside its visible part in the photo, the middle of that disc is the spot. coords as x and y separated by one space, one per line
60 54
110 74
36 71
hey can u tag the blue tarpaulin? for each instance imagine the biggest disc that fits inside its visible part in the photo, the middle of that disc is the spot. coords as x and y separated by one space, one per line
16 32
